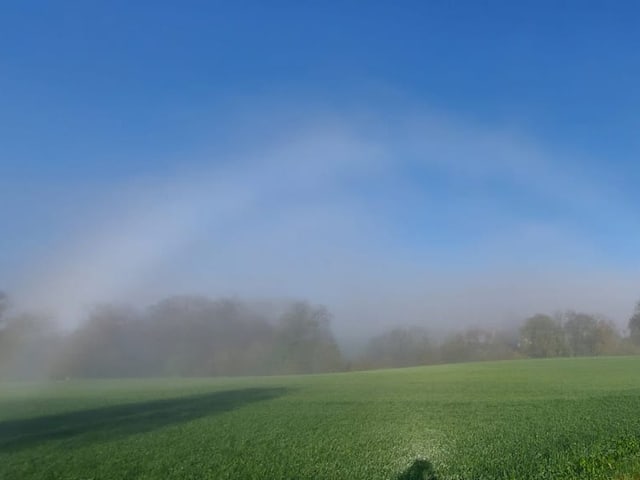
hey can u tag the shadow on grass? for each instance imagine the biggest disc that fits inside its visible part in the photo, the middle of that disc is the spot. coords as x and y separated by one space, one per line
419 470
107 423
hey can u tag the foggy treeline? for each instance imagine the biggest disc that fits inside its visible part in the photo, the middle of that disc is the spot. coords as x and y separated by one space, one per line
540 336
198 336
179 336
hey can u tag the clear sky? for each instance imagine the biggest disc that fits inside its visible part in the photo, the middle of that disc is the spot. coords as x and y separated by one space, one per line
389 159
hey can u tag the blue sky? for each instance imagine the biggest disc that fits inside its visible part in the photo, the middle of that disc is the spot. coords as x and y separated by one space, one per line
410 152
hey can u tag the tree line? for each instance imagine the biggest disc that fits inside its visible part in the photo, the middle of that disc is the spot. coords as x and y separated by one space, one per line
540 336
199 336
178 336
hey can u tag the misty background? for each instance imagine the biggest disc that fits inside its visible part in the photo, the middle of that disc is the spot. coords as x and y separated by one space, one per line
446 168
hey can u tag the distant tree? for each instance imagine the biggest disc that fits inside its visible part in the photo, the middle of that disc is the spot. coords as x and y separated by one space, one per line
213 337
581 333
106 345
608 339
399 347
634 326
475 344
455 348
304 342
588 335
28 344
542 336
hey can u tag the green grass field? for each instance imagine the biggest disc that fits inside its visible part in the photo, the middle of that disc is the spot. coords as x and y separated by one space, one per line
561 418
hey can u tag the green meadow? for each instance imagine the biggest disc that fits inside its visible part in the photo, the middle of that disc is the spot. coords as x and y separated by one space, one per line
526 419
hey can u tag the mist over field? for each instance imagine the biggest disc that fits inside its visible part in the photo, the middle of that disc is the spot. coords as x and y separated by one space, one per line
335 210
390 221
